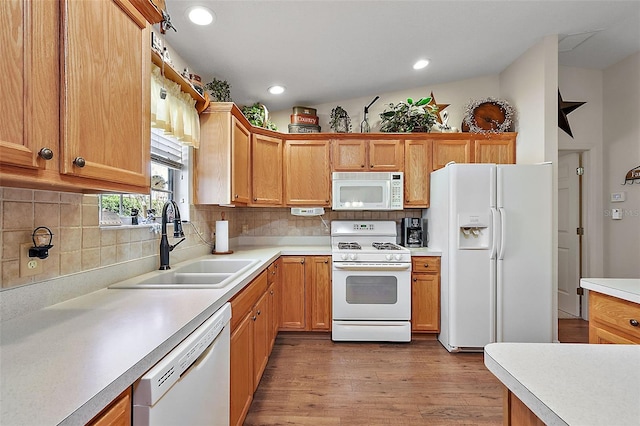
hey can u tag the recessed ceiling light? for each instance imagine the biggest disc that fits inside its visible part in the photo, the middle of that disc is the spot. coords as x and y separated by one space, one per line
276 90
200 15
422 63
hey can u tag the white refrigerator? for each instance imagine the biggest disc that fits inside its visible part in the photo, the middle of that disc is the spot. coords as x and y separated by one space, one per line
493 224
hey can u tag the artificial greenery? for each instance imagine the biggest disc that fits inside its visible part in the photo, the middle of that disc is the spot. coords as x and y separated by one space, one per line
337 117
409 116
220 90
257 117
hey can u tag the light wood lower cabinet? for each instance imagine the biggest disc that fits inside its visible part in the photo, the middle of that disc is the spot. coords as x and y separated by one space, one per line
425 294
306 293
516 413
118 413
613 320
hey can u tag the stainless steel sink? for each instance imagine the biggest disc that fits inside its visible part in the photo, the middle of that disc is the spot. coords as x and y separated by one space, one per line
208 273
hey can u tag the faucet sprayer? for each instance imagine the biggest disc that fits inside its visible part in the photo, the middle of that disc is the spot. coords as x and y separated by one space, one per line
165 247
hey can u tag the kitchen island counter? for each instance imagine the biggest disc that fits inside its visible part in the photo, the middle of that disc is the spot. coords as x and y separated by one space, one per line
623 288
571 384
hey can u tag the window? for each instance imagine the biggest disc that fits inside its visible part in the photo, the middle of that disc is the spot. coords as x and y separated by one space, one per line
169 180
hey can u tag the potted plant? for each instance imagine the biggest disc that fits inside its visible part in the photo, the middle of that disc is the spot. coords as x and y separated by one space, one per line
409 116
220 90
339 120
257 116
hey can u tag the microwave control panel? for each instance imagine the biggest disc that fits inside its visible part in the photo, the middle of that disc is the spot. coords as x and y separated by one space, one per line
397 188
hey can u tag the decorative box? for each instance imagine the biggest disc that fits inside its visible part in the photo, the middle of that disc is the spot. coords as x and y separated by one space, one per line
303 128
304 119
304 110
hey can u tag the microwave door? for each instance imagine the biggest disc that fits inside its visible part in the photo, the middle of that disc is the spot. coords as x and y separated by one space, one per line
361 195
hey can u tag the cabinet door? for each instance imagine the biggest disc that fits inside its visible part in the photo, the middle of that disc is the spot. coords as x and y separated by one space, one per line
118 413
386 155
29 46
349 155
105 97
319 284
425 298
292 300
261 338
499 149
241 373
417 169
307 173
266 155
240 154
446 150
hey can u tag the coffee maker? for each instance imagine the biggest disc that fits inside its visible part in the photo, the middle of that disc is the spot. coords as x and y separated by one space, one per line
413 232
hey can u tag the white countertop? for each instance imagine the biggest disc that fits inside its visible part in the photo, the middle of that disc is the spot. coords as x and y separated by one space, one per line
571 384
622 288
64 363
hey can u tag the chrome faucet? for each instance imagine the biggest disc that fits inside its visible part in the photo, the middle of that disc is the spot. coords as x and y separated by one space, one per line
165 247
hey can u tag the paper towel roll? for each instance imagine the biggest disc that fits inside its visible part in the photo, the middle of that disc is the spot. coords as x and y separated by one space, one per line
222 236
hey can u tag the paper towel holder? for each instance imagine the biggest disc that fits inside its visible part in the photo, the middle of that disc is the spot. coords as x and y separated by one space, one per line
214 246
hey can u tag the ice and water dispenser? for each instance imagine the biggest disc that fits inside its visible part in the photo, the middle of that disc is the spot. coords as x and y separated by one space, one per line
474 231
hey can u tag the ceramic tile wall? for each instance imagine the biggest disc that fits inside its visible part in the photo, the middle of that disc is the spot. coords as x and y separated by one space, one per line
80 244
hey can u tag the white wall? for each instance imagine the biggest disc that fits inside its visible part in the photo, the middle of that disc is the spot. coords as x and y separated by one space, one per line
457 94
585 85
621 105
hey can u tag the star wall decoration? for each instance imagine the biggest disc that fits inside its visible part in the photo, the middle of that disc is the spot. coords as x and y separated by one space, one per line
439 106
565 108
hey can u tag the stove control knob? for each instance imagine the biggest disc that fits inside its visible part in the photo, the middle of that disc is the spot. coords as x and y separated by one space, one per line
352 256
388 256
343 256
398 256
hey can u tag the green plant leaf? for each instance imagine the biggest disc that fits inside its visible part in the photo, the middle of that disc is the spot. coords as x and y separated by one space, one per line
410 101
424 101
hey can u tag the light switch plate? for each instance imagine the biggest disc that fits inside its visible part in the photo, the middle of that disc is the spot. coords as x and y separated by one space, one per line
618 197
29 266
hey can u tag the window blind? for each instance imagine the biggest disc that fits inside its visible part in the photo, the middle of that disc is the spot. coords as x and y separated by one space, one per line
165 149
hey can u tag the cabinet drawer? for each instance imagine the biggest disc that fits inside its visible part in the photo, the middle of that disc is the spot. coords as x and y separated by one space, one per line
616 313
242 302
429 264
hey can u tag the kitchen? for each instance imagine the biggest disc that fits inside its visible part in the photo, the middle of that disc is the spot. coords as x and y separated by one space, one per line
83 243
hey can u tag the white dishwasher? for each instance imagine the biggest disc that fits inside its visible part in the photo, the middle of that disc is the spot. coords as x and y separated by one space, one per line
190 386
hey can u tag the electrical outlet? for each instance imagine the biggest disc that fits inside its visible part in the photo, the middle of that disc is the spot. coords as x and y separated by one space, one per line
245 229
29 266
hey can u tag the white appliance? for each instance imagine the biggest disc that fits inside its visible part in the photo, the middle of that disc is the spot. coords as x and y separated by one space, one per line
493 224
368 190
371 283
190 386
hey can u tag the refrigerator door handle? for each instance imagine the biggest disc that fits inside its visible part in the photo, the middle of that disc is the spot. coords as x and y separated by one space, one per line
494 237
503 233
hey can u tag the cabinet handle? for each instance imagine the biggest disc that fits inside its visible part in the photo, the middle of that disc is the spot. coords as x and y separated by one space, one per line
80 162
634 322
45 153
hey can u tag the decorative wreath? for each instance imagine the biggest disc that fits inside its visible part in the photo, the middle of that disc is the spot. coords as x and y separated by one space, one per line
488 115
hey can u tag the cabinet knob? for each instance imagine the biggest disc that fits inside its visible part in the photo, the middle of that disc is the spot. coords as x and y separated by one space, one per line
326 201
271 292
254 317
415 279
45 153
255 199
362 165
326 261
426 265
80 162
302 261
236 196
634 322
258 312
372 166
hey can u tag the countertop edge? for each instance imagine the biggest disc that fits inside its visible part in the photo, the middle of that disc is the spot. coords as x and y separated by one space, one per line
613 287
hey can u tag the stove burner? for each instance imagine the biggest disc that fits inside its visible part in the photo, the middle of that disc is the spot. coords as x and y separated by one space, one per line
349 246
385 246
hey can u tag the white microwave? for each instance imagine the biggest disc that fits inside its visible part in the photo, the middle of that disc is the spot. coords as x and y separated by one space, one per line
368 190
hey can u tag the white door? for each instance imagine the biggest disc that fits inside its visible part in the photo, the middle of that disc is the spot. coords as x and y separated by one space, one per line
568 238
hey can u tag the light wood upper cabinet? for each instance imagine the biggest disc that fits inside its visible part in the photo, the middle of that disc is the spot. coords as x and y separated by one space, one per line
29 47
240 155
417 170
446 150
221 164
266 169
307 173
499 149
75 76
367 155
105 97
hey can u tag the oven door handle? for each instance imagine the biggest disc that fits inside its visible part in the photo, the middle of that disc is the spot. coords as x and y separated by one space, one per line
348 266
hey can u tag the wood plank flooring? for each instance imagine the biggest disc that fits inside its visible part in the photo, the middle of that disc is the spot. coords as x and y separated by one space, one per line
311 380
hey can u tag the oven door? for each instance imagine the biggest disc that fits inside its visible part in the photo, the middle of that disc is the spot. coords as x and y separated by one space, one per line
378 292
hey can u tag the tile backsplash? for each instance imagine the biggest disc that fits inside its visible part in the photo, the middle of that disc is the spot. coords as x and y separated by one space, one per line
80 244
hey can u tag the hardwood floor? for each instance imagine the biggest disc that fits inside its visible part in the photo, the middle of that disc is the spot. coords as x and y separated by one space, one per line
311 380
573 331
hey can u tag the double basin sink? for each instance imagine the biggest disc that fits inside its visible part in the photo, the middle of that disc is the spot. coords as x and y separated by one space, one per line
207 273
